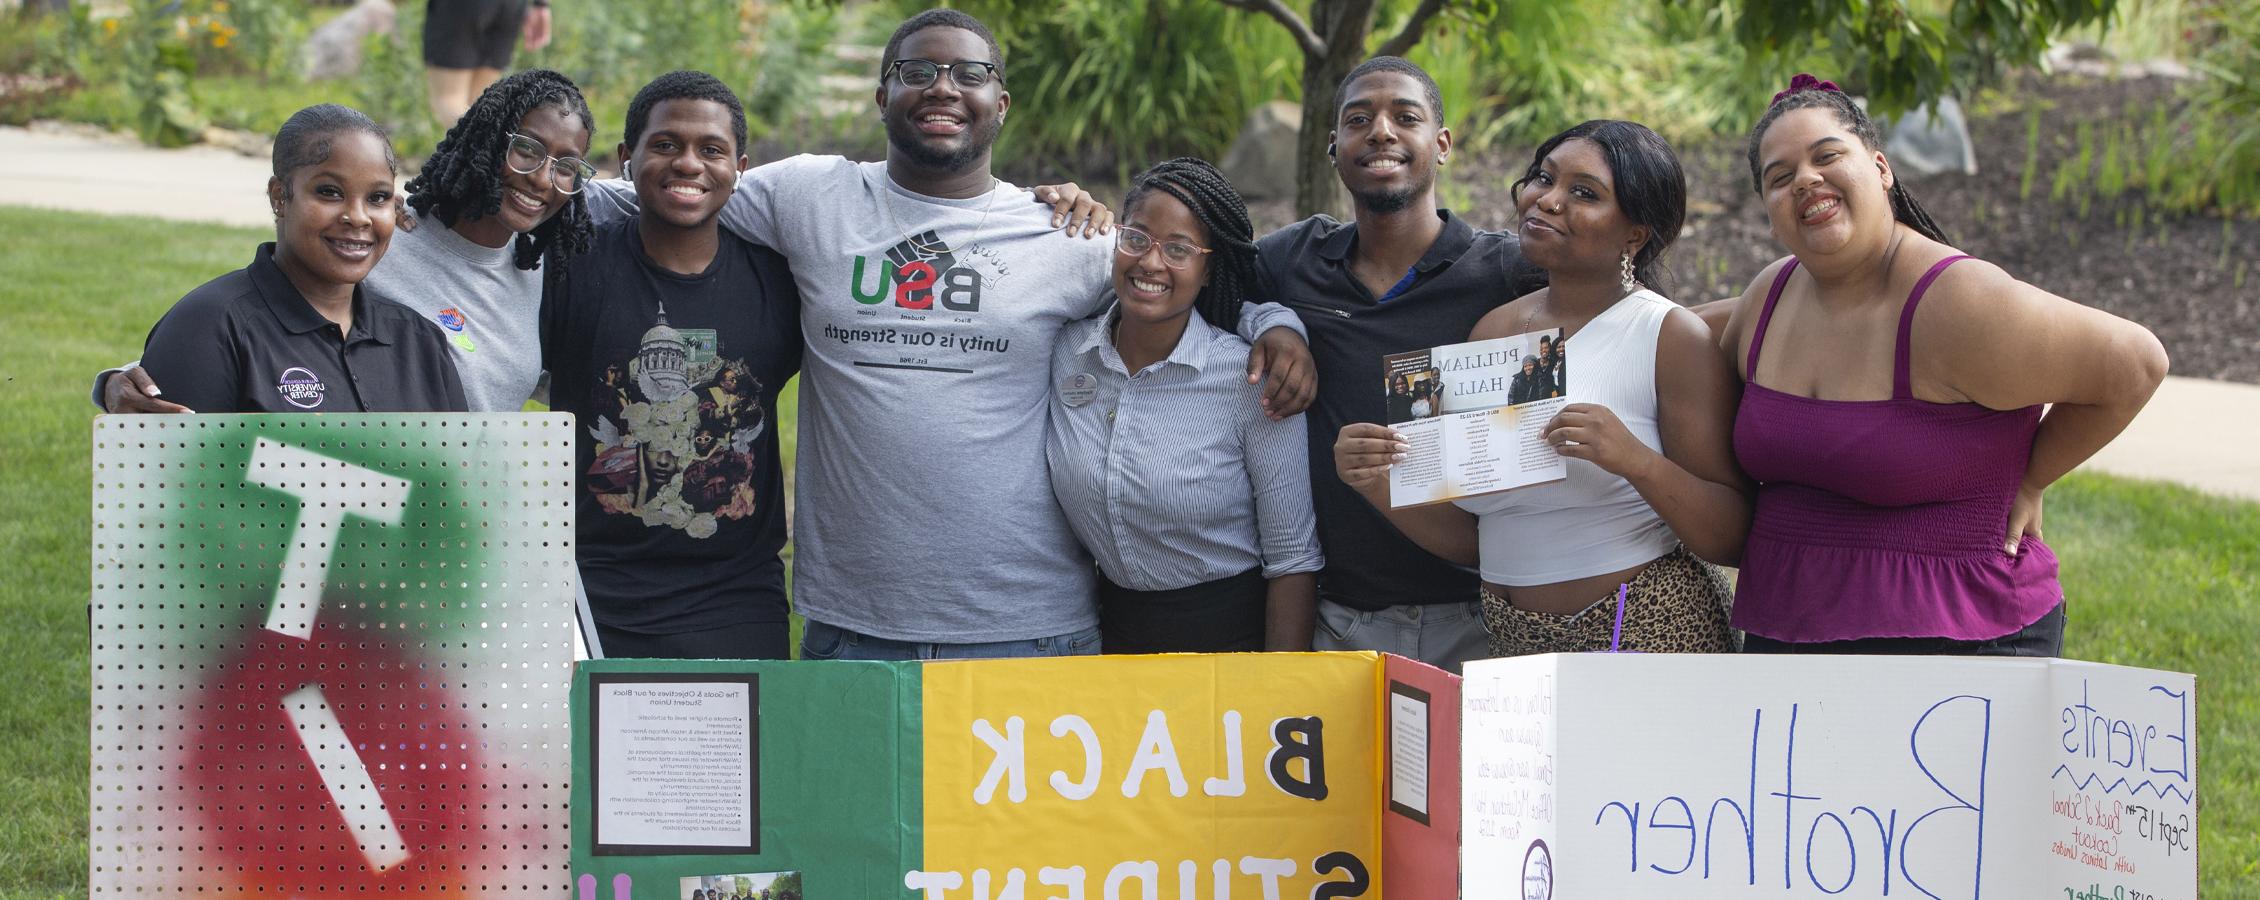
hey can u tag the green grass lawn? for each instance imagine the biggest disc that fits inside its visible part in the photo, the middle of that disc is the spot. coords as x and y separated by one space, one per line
2158 576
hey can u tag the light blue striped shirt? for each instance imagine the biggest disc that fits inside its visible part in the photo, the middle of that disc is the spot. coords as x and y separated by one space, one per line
1173 476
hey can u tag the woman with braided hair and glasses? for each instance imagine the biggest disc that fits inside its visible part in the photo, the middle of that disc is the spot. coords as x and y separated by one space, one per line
504 191
1893 410
1195 504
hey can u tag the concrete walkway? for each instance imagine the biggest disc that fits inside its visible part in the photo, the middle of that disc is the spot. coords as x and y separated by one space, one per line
74 170
2205 434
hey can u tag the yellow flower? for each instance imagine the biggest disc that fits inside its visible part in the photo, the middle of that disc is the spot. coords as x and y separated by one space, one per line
219 40
110 25
220 7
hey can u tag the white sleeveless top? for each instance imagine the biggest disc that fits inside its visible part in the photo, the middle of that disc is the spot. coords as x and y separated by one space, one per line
1592 522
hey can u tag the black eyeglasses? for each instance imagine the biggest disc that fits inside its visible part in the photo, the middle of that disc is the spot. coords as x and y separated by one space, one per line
918 73
1175 254
527 156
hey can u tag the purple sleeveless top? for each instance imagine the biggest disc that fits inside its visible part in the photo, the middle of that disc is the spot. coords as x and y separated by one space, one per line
1884 518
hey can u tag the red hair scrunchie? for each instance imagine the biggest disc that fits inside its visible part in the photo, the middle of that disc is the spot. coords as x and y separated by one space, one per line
1805 82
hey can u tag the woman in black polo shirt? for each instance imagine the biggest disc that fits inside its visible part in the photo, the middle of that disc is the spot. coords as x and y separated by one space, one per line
293 331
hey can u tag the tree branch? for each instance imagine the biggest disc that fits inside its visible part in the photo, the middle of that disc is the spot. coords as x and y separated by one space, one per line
1294 24
1410 35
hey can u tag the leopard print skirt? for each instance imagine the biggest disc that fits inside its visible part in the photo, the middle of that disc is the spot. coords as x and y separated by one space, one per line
1678 604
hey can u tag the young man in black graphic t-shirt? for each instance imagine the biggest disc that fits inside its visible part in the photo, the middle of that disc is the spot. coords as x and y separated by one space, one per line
669 340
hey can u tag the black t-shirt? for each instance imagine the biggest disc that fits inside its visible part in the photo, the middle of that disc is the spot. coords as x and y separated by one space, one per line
1369 564
248 342
673 379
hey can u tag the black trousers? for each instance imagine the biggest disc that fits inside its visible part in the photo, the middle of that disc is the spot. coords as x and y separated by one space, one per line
755 640
1221 616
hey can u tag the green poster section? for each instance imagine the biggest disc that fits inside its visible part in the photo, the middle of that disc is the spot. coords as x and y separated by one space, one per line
840 799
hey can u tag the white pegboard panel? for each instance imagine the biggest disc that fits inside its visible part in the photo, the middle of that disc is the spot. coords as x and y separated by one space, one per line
331 655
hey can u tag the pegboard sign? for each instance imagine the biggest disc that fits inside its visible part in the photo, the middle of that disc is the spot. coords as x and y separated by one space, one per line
331 655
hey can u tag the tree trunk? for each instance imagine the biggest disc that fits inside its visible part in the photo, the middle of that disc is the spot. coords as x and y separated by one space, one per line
1343 26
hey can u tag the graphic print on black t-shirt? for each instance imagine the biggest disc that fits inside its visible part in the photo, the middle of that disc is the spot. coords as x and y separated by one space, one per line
676 429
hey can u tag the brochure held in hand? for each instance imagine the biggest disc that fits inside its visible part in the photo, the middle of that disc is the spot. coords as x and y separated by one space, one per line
1475 415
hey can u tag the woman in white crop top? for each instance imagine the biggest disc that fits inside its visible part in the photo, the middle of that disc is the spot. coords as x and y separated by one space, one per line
1652 491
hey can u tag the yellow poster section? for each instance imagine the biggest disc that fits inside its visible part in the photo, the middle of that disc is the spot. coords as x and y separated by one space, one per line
1097 778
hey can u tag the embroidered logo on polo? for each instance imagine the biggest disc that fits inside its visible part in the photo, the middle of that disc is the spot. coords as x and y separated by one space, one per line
301 388
922 273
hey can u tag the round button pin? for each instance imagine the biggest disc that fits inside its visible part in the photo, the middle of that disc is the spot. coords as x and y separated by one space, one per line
1078 389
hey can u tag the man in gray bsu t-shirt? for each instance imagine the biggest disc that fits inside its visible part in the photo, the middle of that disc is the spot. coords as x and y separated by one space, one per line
924 526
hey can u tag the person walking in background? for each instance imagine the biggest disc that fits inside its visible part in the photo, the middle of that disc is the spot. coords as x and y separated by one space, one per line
1894 422
468 44
1195 504
1617 555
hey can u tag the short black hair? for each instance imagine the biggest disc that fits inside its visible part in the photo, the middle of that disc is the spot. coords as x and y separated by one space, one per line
940 18
1651 188
464 175
1234 277
306 137
1904 209
1398 65
682 84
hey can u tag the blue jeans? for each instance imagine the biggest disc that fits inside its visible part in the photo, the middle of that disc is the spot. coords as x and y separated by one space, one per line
821 641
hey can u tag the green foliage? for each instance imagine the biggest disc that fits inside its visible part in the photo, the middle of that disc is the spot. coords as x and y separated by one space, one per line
1901 54
267 33
158 62
391 86
2218 143
1121 85
772 52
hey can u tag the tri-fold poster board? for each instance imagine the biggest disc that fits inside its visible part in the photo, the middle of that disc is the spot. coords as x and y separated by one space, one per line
330 658
1355 775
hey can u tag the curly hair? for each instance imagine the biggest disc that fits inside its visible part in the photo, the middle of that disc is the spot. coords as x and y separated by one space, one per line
1851 116
1234 276
463 178
682 84
306 137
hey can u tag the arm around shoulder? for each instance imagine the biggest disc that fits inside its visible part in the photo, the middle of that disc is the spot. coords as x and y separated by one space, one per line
193 352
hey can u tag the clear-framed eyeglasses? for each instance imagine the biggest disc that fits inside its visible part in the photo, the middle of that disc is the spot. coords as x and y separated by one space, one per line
1130 241
918 73
527 156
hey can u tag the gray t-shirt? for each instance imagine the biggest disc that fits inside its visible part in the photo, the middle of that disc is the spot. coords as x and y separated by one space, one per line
924 511
489 308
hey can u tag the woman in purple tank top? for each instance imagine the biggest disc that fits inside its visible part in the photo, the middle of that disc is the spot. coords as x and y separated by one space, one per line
1893 410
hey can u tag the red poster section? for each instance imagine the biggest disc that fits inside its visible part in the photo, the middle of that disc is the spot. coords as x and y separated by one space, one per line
1420 751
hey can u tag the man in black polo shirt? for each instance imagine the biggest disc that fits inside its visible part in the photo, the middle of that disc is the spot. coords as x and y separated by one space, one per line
1404 275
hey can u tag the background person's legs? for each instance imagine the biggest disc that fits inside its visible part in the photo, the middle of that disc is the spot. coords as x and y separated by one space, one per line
451 94
467 46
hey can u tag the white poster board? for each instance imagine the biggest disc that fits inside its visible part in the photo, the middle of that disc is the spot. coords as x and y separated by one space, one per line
1686 776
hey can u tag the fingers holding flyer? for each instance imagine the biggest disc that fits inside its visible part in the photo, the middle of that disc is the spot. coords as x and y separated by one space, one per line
1472 416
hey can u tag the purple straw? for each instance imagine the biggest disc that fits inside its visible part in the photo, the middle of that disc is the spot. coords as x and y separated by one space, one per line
1616 638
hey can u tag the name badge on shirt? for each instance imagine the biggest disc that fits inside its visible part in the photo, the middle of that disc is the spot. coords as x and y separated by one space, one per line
1078 389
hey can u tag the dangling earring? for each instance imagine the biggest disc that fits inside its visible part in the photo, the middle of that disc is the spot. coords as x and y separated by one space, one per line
1624 272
